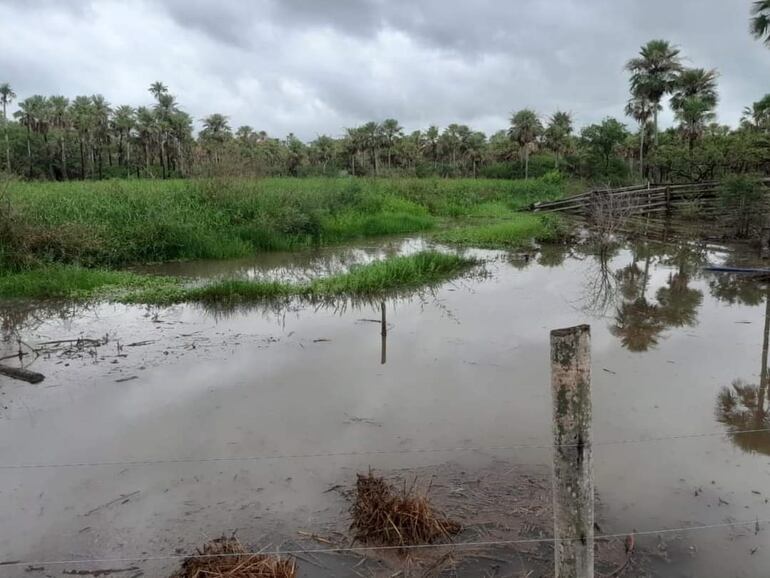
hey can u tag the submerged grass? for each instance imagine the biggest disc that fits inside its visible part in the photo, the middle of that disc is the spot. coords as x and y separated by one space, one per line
397 273
73 282
518 230
114 223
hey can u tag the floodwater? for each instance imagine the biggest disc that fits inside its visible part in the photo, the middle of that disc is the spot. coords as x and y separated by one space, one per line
464 368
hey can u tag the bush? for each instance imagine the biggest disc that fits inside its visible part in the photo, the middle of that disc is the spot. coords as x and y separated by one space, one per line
743 200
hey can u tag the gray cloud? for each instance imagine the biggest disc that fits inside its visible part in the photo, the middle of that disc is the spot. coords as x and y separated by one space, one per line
315 67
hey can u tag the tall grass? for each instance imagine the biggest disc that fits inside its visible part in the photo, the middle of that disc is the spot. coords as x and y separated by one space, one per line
519 230
112 223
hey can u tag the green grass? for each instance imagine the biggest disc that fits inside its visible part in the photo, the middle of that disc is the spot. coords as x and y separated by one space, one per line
73 282
114 223
397 273
519 230
78 283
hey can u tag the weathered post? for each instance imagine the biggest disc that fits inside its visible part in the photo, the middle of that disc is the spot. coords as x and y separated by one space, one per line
573 484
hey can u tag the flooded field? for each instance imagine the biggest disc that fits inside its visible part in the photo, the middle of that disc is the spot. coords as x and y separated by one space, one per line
175 425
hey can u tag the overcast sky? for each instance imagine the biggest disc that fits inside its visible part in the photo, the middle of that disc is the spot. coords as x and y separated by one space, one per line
316 66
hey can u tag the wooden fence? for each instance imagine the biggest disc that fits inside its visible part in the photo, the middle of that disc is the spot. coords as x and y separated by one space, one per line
640 199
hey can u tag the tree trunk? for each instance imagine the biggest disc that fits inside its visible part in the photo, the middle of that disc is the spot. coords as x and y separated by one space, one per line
7 144
29 152
655 121
63 153
48 157
82 160
526 163
641 153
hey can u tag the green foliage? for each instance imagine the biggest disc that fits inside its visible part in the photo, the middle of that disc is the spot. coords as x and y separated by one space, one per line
113 223
72 282
744 202
520 230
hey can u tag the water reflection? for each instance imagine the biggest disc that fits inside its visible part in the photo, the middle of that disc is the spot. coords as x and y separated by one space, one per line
742 406
639 320
383 334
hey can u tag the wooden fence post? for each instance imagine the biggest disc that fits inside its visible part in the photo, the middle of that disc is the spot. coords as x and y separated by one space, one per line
573 483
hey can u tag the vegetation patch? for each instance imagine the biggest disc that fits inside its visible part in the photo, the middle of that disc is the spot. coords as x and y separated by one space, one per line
114 223
73 282
383 515
363 280
227 558
520 230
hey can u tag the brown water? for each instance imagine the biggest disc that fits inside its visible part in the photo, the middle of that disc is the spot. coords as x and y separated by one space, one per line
467 365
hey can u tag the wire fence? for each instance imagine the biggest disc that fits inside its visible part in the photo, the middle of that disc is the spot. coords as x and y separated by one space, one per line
360 549
459 449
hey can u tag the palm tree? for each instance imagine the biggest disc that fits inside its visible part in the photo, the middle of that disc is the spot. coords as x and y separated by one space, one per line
147 127
82 115
694 113
354 145
391 132
640 108
216 130
431 138
757 116
157 89
653 73
525 128
33 115
123 122
760 22
695 82
557 134
60 122
6 97
474 146
101 116
371 136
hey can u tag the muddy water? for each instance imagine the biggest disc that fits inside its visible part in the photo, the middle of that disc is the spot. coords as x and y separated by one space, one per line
466 366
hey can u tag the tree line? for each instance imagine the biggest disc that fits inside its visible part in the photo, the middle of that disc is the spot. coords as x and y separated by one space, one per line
53 137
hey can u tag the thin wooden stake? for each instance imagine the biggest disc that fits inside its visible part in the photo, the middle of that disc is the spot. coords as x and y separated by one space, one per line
573 484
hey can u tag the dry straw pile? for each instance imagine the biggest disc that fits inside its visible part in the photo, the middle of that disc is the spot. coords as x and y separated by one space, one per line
385 516
227 558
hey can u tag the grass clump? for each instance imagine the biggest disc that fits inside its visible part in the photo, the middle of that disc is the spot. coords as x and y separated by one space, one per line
404 272
517 231
384 516
227 558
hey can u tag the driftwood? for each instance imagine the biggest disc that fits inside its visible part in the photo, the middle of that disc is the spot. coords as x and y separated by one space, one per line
21 374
